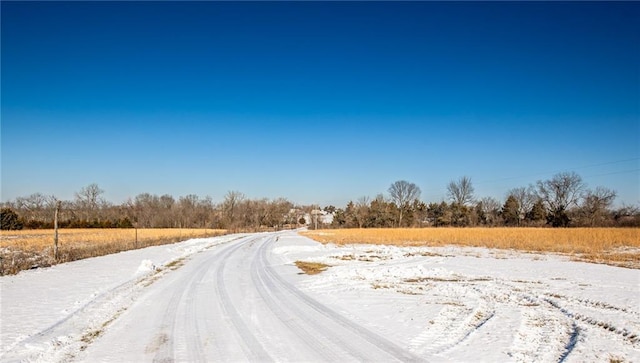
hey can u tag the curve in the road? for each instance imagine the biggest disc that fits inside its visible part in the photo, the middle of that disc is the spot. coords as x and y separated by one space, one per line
390 348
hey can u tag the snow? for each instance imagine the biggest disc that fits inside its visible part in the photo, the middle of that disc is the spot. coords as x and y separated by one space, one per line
240 297
146 266
38 303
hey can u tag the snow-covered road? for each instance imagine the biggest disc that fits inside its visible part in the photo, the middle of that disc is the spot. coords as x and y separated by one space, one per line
241 298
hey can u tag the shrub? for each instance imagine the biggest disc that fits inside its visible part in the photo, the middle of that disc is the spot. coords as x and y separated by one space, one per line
10 220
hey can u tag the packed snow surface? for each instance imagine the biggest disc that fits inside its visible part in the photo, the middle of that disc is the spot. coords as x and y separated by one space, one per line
241 298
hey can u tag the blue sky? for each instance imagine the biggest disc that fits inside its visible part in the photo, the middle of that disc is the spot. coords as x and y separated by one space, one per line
318 102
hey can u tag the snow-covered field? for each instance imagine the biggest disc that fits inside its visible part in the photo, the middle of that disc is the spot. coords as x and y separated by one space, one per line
241 298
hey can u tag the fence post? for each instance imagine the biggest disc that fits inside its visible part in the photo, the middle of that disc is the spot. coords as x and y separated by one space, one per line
55 228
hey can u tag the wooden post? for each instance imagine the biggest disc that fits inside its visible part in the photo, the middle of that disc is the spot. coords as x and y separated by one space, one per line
136 236
55 228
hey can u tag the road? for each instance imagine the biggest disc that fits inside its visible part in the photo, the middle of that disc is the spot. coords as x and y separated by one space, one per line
235 302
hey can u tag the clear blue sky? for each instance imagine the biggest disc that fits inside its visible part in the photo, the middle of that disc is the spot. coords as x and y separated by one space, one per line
318 102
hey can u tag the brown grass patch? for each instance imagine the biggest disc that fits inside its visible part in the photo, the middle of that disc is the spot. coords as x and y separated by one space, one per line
616 246
175 264
311 268
26 249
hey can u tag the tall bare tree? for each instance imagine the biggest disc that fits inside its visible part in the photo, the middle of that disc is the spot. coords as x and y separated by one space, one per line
525 197
166 211
230 207
402 194
142 208
89 200
559 193
595 204
187 211
205 212
461 192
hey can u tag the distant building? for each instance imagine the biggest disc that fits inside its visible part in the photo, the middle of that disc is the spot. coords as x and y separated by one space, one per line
324 217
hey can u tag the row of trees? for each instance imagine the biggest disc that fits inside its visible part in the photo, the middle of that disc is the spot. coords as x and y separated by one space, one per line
89 209
562 201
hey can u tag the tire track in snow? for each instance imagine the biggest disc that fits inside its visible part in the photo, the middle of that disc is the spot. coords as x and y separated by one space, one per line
279 306
549 307
297 320
454 325
573 339
624 333
195 350
538 335
92 316
551 314
381 343
186 292
537 331
165 350
125 288
251 346
67 337
544 333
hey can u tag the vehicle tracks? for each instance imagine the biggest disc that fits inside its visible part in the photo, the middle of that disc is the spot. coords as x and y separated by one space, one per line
327 325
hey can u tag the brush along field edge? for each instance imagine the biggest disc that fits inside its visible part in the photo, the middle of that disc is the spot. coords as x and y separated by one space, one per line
25 249
42 238
616 246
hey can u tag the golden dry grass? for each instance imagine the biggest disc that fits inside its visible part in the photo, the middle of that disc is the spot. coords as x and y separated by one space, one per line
42 238
25 249
616 246
311 268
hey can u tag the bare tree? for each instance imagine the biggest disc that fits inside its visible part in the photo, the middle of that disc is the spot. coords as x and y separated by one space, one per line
595 204
144 209
526 197
489 208
461 192
559 193
362 210
166 211
36 207
278 211
205 212
402 194
627 215
89 200
187 210
230 207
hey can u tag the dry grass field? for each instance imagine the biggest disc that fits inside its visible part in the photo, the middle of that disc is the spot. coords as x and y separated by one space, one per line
20 250
615 246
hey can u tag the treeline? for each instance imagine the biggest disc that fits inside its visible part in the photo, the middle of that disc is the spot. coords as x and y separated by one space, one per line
90 210
562 201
